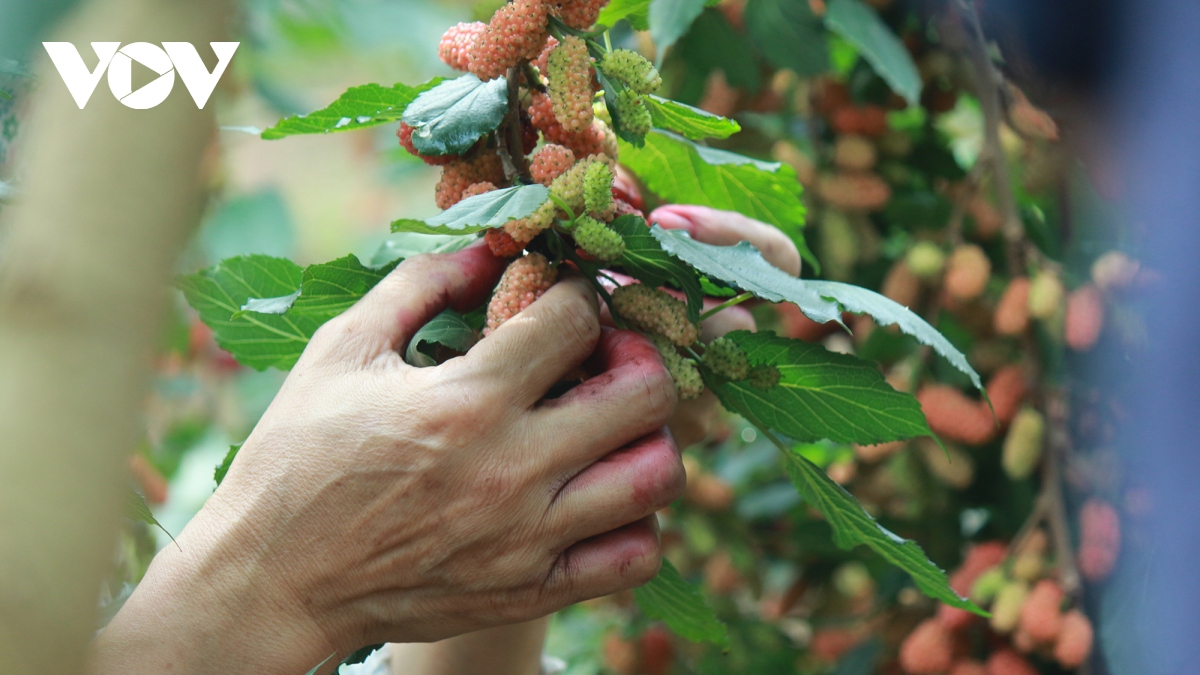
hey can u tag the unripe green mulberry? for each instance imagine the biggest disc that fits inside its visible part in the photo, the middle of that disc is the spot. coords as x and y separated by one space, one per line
654 311
570 76
631 69
597 190
635 116
926 260
1006 610
683 370
726 359
1023 445
523 230
597 239
765 376
988 585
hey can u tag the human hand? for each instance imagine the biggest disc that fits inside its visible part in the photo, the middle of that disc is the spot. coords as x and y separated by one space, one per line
380 502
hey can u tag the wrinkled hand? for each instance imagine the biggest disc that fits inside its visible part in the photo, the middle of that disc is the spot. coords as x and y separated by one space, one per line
380 502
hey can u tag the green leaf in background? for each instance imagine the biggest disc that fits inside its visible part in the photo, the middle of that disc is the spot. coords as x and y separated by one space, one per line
682 172
139 510
360 107
223 468
862 27
821 394
670 599
789 35
670 20
689 122
448 328
481 212
713 44
743 266
449 118
636 12
645 260
822 301
853 526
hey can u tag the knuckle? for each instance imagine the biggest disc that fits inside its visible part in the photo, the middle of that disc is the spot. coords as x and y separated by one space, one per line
578 321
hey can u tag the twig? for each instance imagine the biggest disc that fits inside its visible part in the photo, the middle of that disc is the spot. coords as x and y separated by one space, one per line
732 302
511 144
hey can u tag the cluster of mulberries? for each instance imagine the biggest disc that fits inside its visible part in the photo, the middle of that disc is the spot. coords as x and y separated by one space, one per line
655 311
523 282
579 14
598 240
683 370
405 132
569 69
517 31
461 174
725 358
455 48
551 162
631 69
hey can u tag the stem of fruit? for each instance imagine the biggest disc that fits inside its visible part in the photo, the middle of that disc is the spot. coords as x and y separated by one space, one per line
511 145
732 302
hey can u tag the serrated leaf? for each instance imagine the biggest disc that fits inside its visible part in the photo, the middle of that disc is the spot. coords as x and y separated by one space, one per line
360 107
820 395
670 599
789 35
223 468
636 12
408 244
328 289
860 25
448 328
853 526
645 260
449 118
822 301
681 172
670 20
137 509
689 122
481 212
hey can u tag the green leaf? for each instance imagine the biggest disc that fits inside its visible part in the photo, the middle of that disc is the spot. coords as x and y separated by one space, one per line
670 599
331 288
692 123
223 468
139 510
448 328
682 172
670 20
636 12
713 44
789 35
820 395
360 107
270 305
645 260
408 244
451 117
853 526
481 212
822 301
861 26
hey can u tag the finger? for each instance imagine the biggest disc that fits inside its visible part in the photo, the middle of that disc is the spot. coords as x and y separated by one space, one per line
726 228
633 395
693 422
615 561
623 487
418 289
532 351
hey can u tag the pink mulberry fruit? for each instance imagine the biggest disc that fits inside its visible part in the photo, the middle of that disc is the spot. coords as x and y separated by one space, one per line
455 47
928 650
551 162
525 280
570 76
1074 644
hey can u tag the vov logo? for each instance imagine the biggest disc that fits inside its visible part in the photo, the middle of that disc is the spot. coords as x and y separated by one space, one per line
172 57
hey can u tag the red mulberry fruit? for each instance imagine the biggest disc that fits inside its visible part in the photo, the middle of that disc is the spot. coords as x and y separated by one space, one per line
655 311
854 191
597 240
928 650
1041 613
955 417
969 668
405 132
455 47
1008 662
1074 644
502 245
570 76
967 273
725 358
632 70
551 162
1012 312
580 14
517 31
459 175
683 370
478 189
525 280
1006 390
1085 318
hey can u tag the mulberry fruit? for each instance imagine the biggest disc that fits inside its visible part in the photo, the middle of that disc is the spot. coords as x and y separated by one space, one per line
655 311
657 651
955 417
1008 662
1045 296
683 370
596 140
570 76
405 132
502 245
1023 445
1085 318
854 191
725 358
525 280
868 120
925 260
1100 539
901 285
542 62
455 47
831 644
635 116
517 31
1006 609
928 650
580 14
1074 643
853 153
523 230
569 187
1114 271
551 162
968 668
631 69
985 588
1012 312
621 655
597 240
597 190
765 376
979 559
1041 614
967 273
478 189
1006 390
461 174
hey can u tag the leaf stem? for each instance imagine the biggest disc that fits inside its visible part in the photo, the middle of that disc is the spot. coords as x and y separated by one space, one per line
732 302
